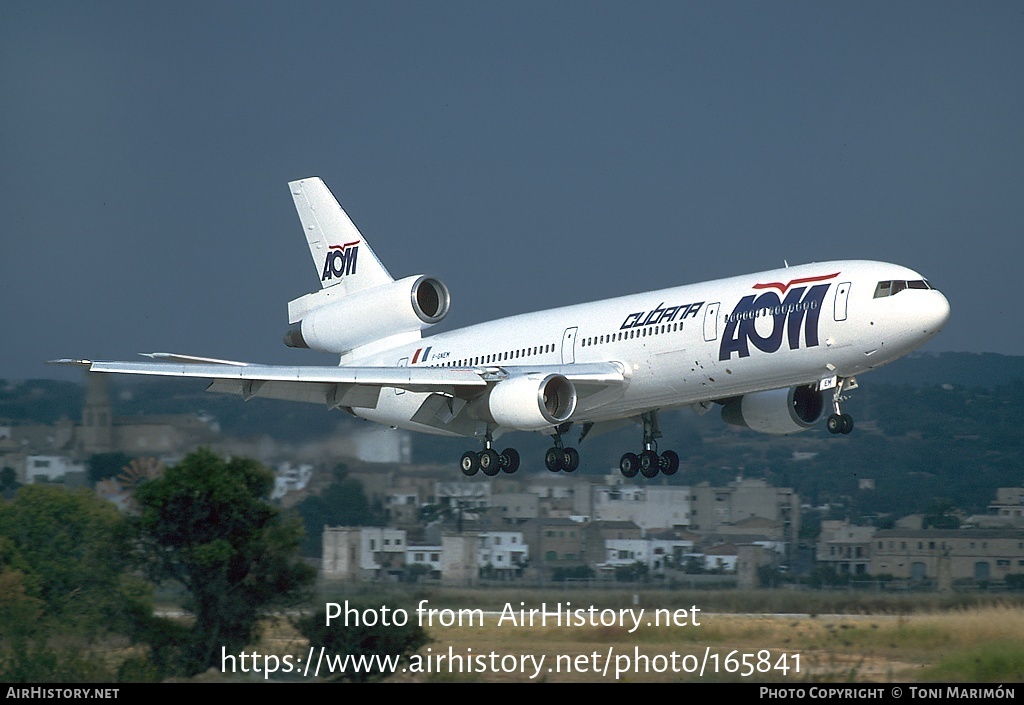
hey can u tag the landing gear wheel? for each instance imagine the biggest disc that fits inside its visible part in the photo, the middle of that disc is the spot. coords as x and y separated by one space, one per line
553 459
490 465
649 465
570 459
629 465
669 462
839 422
510 460
470 463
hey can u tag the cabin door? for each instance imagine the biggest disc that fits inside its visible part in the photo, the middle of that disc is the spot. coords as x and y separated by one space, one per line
404 362
842 295
569 346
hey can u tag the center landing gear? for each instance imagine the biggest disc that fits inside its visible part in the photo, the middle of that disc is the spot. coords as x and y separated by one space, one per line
839 422
649 463
559 457
489 461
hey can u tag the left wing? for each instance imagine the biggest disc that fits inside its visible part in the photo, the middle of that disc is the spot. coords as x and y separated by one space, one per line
346 386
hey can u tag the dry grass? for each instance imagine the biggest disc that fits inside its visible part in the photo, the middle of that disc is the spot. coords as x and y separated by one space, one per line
963 645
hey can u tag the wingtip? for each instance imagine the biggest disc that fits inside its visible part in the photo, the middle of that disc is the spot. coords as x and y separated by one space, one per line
70 361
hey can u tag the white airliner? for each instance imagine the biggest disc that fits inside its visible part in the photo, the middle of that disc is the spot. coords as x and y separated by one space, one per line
776 349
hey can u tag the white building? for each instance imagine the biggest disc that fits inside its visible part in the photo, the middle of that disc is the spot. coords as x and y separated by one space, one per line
501 551
340 559
378 444
625 552
669 553
647 507
381 550
49 468
722 557
424 555
291 478
363 553
464 496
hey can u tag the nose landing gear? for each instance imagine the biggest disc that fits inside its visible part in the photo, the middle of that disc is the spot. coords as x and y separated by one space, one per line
839 422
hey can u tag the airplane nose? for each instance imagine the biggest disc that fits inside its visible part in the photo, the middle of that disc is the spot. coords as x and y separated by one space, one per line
937 313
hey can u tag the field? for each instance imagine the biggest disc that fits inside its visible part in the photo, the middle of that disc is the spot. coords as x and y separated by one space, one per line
603 637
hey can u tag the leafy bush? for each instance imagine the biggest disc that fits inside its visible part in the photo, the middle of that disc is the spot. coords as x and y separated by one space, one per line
338 639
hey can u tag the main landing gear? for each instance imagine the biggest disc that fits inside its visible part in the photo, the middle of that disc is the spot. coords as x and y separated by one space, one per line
839 422
489 461
649 463
559 458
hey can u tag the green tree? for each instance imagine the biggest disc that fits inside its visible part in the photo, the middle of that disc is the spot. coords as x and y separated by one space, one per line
65 585
941 515
8 482
342 503
208 524
634 572
103 466
578 572
74 550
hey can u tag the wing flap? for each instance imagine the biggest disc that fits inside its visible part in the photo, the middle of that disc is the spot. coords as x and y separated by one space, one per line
312 393
445 414
330 395
592 372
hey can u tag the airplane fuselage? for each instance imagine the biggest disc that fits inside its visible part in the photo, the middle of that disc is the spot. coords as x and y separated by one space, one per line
698 342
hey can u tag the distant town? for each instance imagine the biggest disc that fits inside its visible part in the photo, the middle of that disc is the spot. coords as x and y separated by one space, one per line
740 524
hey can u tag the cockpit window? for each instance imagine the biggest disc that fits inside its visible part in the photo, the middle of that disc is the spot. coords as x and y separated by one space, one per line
895 286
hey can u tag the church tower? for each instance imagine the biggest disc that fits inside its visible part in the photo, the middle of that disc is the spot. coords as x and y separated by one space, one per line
96 434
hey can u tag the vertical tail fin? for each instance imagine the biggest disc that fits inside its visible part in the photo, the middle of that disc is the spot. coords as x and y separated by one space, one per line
341 255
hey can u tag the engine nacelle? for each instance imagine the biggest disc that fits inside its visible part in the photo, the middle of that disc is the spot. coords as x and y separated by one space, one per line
531 402
336 323
777 411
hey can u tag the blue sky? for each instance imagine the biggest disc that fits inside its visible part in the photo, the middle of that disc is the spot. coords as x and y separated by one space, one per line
529 154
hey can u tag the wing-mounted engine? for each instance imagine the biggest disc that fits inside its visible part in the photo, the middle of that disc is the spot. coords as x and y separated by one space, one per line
778 411
528 402
339 322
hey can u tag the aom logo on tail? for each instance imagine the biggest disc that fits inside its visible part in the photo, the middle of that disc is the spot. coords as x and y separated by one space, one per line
799 309
340 261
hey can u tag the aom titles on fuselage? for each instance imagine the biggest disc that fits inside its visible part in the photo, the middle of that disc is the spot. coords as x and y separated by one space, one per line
776 350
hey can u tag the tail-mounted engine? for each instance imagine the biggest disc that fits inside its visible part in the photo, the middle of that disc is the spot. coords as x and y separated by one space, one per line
336 323
777 411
